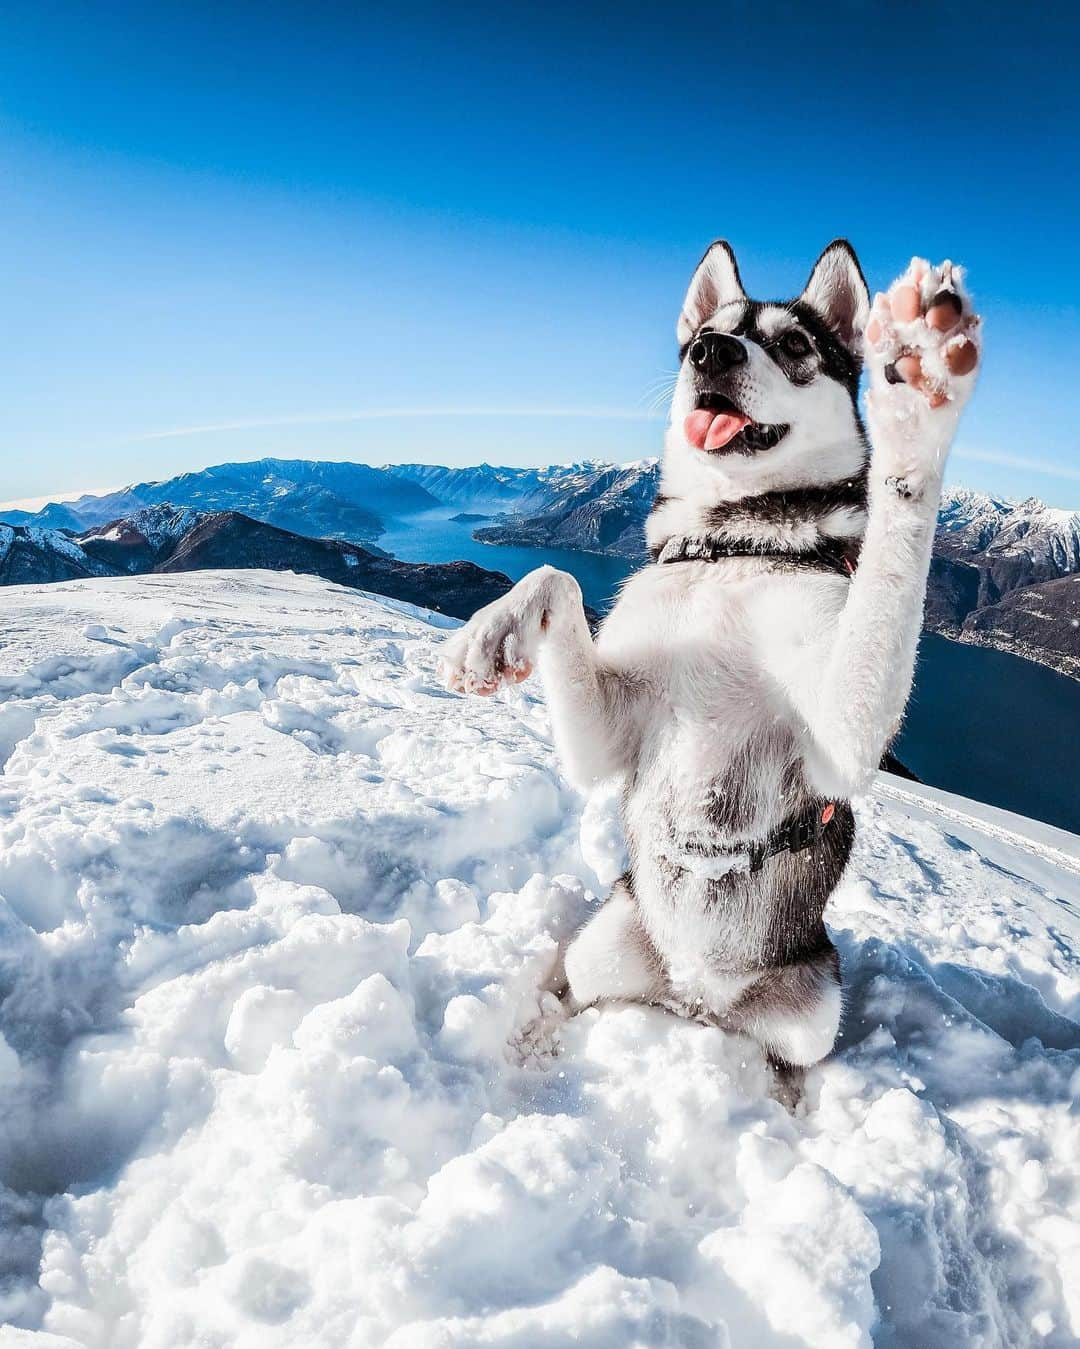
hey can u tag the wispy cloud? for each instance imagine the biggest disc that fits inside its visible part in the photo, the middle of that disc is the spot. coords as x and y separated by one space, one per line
393 414
1067 472
36 503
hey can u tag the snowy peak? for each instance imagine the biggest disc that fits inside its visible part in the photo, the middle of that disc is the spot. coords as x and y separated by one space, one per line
480 486
1042 533
976 523
137 542
596 508
970 518
30 554
1007 573
486 487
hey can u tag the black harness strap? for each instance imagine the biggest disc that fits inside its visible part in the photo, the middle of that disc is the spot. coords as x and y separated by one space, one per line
796 834
829 555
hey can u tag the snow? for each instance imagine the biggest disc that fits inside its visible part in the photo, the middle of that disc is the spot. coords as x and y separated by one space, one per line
50 540
277 912
158 524
1003 527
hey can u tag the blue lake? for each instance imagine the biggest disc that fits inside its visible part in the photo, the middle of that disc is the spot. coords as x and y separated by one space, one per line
982 723
434 537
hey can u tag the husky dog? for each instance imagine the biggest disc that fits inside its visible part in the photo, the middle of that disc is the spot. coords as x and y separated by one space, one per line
747 681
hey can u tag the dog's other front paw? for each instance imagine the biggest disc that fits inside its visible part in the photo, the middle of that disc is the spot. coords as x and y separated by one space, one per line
490 651
499 644
922 349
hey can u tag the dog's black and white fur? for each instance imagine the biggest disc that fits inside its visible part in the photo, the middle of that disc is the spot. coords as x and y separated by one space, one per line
746 678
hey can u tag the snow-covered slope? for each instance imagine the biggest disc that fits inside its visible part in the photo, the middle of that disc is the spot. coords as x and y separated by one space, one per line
274 905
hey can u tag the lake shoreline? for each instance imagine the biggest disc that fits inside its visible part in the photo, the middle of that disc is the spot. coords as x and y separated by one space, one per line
1057 661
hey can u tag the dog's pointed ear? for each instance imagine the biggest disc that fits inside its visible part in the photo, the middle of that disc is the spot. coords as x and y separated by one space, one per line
716 282
837 290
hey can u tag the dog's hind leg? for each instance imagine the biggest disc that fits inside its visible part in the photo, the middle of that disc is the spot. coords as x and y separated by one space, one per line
611 959
793 1012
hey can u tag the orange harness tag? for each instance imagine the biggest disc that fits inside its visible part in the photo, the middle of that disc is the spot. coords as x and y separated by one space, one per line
828 812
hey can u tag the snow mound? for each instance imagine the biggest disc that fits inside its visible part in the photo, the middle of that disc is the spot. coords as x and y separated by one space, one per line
273 906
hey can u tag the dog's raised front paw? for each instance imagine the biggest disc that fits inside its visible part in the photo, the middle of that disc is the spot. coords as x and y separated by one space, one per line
922 349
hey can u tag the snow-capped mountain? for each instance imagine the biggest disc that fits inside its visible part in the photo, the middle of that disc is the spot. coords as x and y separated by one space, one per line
1007 574
164 538
31 553
597 508
481 487
137 543
276 916
969 520
987 548
331 500
485 488
1014 543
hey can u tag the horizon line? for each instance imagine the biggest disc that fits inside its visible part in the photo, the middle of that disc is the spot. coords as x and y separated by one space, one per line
1065 473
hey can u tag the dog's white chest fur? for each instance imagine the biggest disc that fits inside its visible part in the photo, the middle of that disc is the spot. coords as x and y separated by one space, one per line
713 650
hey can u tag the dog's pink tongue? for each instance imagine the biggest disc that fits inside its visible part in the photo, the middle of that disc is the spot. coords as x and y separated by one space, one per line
707 430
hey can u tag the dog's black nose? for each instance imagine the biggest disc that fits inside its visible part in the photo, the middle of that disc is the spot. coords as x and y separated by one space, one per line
713 353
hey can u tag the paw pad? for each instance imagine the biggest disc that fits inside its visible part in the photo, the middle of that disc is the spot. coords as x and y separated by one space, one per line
924 334
491 652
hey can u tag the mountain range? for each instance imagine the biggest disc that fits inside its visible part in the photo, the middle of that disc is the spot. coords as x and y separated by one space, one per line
1004 573
165 538
331 500
1007 574
597 508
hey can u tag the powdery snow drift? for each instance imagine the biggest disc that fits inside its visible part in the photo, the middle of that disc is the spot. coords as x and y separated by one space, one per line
273 906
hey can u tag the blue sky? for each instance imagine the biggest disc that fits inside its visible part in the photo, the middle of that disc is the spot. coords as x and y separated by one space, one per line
463 233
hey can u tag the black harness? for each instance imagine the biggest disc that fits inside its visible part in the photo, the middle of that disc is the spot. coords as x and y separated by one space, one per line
829 555
804 830
796 834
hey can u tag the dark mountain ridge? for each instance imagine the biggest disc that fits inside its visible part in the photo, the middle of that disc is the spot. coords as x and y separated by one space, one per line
167 539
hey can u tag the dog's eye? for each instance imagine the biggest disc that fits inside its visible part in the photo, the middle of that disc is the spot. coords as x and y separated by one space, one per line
795 343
